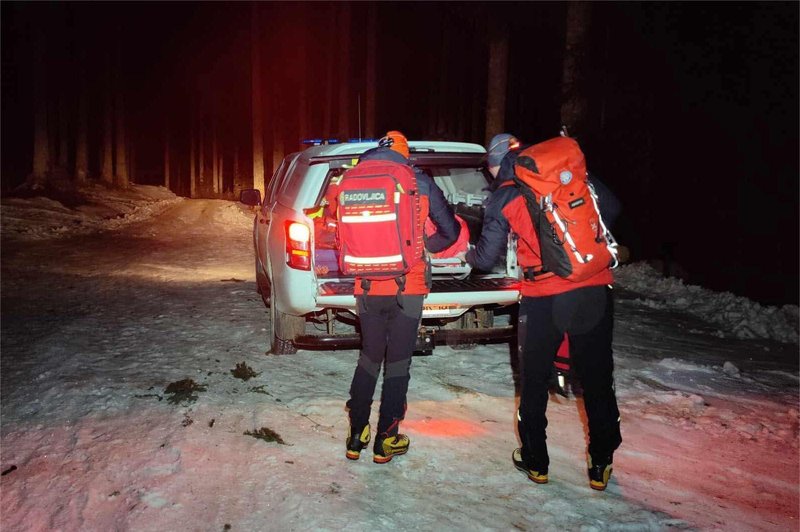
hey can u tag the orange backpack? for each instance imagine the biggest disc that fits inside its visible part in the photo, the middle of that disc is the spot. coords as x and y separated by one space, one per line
573 240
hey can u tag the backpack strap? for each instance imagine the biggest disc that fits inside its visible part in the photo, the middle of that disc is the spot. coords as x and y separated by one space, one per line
401 285
534 274
366 284
539 272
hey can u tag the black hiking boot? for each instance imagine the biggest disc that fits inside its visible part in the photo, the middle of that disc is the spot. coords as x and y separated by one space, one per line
356 441
599 473
538 474
387 448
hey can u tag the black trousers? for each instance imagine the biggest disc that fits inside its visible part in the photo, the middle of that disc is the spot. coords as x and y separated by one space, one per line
388 337
587 315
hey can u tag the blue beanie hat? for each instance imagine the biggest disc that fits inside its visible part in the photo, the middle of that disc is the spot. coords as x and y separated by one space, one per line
499 146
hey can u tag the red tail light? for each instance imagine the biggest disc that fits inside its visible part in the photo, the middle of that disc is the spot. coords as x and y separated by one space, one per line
298 245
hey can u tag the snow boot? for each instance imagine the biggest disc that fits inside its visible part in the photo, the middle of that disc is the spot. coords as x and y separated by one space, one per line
599 473
356 441
538 474
388 447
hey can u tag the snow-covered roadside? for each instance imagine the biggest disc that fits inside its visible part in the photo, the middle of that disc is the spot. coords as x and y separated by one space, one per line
94 333
109 209
737 316
103 208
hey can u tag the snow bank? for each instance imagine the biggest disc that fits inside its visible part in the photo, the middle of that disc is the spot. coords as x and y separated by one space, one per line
101 208
739 316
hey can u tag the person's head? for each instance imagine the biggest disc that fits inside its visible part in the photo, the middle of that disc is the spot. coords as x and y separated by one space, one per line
382 153
396 141
497 149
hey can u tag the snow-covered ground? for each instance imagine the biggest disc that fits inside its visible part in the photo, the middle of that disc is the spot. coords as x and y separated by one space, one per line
104 307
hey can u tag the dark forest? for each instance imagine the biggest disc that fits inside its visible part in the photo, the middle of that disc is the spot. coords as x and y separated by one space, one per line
688 111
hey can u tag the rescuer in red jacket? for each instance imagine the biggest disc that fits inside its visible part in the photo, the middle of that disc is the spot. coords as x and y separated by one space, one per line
550 307
390 321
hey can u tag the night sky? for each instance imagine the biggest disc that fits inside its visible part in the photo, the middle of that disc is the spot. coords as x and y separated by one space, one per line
692 108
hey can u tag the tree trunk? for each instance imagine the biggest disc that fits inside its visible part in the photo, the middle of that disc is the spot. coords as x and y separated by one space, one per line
82 134
498 78
257 104
237 185
327 126
372 30
277 135
443 121
302 88
214 159
107 172
41 144
192 162
121 177
476 109
573 99
132 167
202 183
166 153
63 134
220 173
343 79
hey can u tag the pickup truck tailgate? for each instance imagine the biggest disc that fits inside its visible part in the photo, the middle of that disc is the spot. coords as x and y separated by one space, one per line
448 297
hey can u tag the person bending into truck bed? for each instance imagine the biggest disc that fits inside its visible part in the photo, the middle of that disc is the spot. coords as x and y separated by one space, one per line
550 307
390 321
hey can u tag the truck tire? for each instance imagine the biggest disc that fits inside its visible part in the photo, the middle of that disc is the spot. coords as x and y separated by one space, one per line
283 329
262 284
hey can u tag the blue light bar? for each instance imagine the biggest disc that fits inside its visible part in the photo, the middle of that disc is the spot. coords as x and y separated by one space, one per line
319 142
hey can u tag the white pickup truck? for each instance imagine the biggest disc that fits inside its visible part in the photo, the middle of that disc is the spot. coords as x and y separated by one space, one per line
312 306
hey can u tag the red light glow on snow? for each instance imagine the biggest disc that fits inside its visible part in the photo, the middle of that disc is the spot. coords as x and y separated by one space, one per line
444 428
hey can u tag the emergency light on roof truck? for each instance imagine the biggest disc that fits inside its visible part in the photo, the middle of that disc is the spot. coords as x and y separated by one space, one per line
322 142
319 142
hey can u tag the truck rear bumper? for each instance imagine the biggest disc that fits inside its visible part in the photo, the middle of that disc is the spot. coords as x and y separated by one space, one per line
436 337
447 299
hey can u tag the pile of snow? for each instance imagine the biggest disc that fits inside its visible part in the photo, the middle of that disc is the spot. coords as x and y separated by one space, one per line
101 208
739 316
